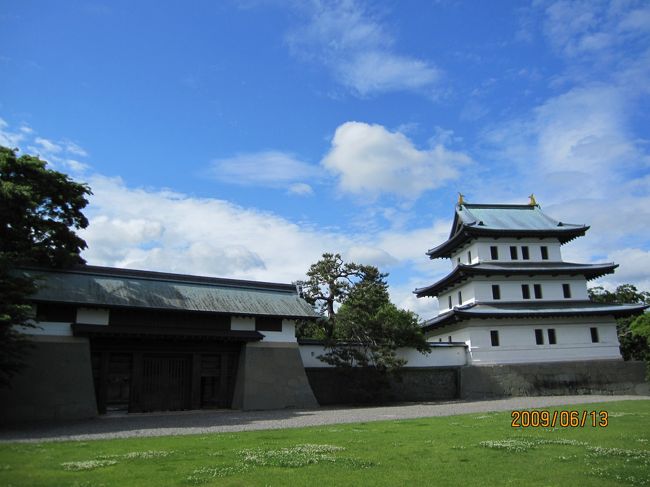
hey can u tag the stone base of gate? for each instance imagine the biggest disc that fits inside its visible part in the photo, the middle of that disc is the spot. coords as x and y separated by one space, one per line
56 383
272 376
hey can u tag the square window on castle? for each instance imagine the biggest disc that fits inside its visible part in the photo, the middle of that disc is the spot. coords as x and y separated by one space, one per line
513 253
539 336
551 336
525 254
525 291
544 251
566 290
266 323
537 288
494 338
496 291
494 252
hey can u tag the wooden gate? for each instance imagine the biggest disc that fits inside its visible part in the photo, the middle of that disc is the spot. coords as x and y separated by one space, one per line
166 383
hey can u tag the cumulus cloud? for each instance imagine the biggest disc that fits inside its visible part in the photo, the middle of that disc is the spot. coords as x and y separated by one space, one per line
357 49
269 169
169 231
370 159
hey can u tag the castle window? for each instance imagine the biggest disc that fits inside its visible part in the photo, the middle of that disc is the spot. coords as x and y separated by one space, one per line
494 337
56 312
449 338
494 252
551 336
544 250
566 290
539 336
524 253
537 288
469 257
496 291
460 298
594 335
450 301
513 253
525 291
268 324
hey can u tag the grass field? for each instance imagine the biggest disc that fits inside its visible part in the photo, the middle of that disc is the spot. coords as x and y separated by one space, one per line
475 449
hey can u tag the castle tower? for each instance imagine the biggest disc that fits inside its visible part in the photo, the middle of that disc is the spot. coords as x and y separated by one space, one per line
511 298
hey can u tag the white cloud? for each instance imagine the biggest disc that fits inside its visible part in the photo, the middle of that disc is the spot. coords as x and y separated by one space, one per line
168 231
7 137
369 159
346 39
594 28
75 149
367 255
46 146
300 189
270 169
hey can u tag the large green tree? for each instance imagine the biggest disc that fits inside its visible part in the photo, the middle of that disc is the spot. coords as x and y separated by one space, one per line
367 329
40 209
634 346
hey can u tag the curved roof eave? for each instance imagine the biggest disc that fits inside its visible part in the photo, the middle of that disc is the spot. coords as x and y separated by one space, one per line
588 309
590 271
466 232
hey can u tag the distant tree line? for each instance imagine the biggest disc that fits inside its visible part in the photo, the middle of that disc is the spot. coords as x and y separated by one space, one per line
633 331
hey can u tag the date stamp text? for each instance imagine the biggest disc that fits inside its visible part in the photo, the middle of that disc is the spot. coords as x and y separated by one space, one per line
563 419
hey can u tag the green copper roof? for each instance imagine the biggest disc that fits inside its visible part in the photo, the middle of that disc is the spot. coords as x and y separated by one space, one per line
108 287
483 220
509 217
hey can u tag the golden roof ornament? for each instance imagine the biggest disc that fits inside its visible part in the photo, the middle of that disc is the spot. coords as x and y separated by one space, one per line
461 201
532 201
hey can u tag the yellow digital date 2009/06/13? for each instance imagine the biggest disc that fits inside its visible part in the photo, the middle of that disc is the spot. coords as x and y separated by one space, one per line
563 419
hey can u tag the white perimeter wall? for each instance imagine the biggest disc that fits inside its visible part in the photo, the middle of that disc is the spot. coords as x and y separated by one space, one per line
448 355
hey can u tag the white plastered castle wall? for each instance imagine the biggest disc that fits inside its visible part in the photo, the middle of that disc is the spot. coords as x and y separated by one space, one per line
480 250
517 342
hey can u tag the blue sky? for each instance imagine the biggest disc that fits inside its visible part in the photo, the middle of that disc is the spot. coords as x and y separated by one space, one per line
244 138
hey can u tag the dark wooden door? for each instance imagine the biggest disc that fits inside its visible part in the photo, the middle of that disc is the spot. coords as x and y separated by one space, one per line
166 383
218 373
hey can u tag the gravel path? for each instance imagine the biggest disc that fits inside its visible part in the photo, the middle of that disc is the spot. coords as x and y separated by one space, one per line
201 422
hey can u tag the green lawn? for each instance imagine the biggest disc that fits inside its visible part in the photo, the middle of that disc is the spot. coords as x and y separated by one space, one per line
474 449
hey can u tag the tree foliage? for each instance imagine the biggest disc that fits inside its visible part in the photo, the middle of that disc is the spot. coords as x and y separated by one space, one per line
634 346
40 209
367 329
328 283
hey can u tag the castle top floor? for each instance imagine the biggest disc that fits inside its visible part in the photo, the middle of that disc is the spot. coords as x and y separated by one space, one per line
508 229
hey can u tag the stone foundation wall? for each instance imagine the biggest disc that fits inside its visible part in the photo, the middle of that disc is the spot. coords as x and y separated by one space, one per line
557 378
367 386
56 384
271 376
